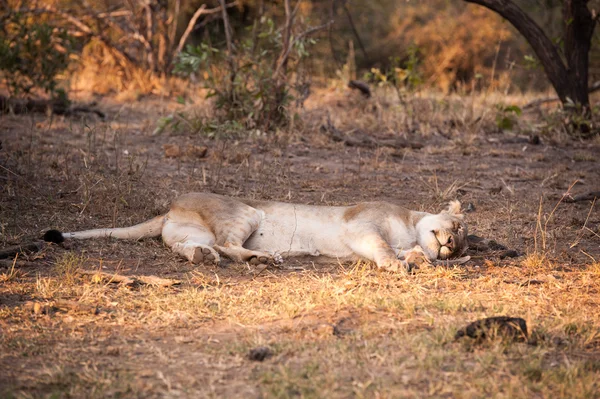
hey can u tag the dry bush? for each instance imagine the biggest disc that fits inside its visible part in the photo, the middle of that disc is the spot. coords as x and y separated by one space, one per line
457 43
104 71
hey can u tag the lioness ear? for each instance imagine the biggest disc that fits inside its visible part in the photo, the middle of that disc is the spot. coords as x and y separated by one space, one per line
454 209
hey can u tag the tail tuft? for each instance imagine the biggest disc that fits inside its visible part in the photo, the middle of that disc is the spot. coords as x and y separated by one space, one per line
54 236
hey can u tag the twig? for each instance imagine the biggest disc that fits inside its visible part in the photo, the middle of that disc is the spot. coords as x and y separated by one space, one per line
199 12
114 14
330 34
591 196
580 235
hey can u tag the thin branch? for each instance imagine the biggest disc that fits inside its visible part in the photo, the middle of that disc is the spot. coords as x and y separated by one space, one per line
330 34
353 27
149 34
174 23
287 37
230 60
190 27
300 37
82 27
227 27
114 14
74 21
140 38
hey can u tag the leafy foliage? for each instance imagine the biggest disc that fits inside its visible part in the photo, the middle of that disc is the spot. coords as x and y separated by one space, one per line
404 74
506 116
32 55
249 86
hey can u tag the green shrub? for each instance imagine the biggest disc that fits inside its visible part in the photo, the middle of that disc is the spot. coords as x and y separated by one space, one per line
247 85
32 54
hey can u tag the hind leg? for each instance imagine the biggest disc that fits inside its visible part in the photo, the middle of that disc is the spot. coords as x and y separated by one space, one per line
193 242
236 252
232 234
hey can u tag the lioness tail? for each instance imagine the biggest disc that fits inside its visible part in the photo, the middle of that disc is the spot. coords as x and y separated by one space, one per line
147 229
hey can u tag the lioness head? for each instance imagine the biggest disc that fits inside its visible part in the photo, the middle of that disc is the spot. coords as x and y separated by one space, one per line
444 236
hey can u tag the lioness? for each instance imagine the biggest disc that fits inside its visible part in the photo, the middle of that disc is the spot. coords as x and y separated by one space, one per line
202 227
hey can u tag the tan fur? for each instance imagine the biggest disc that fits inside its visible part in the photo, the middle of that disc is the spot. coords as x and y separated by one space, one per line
203 227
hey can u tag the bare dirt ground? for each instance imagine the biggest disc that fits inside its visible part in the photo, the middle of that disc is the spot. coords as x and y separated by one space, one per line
333 330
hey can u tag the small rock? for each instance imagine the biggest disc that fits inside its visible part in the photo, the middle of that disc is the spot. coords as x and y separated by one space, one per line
36 307
360 86
495 246
344 326
535 139
324 329
514 328
470 207
509 253
196 151
260 353
172 150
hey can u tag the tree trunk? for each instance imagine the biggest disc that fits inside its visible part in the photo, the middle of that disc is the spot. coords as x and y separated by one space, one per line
570 81
579 28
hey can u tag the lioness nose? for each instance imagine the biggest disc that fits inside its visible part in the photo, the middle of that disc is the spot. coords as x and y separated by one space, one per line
450 243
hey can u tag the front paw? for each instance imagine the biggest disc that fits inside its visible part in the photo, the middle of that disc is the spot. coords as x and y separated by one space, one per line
277 258
417 256
272 259
394 265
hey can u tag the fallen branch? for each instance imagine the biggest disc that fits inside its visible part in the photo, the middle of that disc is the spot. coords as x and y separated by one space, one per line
10 252
592 195
98 276
157 281
58 107
360 86
535 103
452 262
357 138
7 264
66 304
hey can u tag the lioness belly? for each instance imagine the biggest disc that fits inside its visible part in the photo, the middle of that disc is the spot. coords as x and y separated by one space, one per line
295 230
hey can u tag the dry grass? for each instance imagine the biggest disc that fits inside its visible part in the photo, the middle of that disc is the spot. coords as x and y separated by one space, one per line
336 330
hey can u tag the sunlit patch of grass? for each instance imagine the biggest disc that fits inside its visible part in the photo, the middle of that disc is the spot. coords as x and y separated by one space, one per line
536 261
11 274
66 267
400 337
